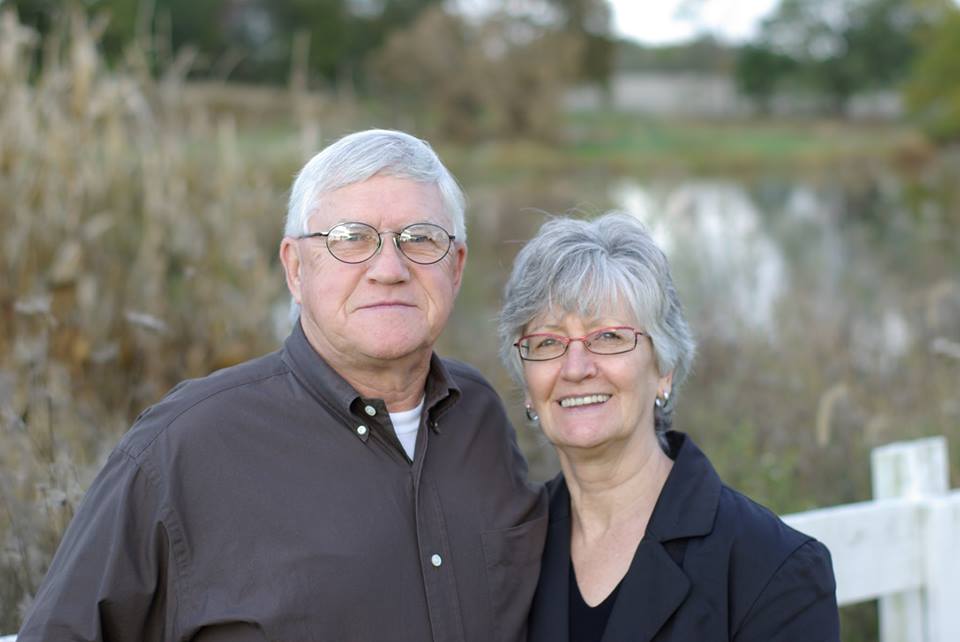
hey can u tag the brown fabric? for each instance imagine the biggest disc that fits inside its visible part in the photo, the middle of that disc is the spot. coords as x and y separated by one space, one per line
247 506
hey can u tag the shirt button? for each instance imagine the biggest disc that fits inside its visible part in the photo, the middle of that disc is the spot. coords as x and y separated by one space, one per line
361 430
436 560
370 410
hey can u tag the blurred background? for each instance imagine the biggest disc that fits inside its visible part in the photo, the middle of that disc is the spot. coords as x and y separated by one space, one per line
797 159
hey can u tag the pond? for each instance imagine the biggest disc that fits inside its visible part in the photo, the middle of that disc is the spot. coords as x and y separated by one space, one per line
826 308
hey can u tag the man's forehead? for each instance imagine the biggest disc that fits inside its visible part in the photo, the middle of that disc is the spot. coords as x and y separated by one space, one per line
381 200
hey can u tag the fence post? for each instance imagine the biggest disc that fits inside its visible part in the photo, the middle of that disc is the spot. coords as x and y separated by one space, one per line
942 569
910 470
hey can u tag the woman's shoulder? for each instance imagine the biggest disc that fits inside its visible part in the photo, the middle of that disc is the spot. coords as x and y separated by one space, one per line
738 522
752 524
769 564
776 573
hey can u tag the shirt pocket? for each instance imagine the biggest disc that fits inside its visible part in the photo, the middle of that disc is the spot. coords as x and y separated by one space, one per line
512 557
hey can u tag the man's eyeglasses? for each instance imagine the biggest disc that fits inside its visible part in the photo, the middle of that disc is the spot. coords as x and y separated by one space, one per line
546 346
422 243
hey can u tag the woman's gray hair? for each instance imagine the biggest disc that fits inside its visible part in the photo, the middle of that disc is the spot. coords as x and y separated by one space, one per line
592 268
363 155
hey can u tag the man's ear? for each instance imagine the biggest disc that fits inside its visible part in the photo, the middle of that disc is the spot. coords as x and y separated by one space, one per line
292 266
459 262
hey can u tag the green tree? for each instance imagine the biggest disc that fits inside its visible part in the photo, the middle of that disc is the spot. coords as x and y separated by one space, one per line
343 33
589 21
247 39
933 91
759 72
840 46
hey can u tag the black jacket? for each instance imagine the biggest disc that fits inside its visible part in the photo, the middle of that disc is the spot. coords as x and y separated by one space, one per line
713 566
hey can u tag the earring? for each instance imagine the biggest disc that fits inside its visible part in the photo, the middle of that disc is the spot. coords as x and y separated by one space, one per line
532 415
661 400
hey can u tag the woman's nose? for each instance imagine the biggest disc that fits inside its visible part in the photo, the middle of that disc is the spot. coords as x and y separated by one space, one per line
578 362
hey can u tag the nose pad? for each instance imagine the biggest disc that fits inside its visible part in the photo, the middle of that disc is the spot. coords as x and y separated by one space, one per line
389 263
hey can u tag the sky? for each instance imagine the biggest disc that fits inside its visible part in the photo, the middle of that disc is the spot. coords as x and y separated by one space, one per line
663 21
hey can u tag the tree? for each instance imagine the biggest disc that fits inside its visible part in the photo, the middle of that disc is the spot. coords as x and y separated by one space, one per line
247 39
759 73
502 76
839 46
589 21
933 90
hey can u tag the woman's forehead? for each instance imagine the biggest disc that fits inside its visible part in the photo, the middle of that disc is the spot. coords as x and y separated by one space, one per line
557 316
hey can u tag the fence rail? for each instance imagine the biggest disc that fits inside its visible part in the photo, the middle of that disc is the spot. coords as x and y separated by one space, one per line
902 548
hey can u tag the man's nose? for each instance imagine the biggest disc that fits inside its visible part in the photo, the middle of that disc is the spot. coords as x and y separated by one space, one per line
389 265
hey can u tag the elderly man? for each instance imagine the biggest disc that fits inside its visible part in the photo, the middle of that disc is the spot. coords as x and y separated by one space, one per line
351 486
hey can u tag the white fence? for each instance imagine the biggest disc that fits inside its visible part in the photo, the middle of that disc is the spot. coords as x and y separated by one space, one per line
902 548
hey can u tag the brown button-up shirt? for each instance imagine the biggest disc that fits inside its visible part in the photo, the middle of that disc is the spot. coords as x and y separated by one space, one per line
269 501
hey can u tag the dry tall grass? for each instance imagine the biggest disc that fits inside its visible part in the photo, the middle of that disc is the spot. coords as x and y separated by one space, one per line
138 245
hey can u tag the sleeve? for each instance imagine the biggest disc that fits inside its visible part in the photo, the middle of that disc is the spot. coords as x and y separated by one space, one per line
799 603
109 580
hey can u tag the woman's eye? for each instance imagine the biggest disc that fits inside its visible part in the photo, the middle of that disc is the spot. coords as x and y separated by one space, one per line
610 336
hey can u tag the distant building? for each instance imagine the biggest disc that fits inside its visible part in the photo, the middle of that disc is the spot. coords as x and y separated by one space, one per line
713 96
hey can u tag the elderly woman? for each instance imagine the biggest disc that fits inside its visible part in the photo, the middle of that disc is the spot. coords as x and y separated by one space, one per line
645 541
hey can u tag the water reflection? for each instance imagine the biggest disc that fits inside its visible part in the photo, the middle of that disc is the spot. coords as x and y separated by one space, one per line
822 305
716 239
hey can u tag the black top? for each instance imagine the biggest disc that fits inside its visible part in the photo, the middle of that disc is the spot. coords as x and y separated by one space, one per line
713 566
270 501
588 622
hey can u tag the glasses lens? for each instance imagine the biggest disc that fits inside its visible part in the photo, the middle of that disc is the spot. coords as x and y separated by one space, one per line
540 347
424 242
352 242
611 340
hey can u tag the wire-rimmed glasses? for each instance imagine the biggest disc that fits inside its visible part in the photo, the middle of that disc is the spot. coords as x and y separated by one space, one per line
544 346
355 242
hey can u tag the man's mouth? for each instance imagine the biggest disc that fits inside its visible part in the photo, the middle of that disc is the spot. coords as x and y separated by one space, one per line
388 304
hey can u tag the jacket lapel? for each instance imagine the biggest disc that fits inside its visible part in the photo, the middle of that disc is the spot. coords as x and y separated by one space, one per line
656 585
652 590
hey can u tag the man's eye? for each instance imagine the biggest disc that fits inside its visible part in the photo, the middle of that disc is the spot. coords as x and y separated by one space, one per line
351 236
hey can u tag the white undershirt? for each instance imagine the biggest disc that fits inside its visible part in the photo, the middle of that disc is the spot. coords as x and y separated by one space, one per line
406 423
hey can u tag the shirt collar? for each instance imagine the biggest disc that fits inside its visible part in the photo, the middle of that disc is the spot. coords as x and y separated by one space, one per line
326 384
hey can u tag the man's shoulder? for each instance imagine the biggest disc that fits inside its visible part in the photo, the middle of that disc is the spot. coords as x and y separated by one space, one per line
466 376
220 393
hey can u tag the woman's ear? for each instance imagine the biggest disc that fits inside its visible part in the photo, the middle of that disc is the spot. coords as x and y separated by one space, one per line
665 383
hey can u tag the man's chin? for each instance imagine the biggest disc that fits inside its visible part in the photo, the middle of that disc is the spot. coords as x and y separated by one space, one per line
387 350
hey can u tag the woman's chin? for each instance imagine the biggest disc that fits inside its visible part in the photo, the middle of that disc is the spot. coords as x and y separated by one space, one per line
581 437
